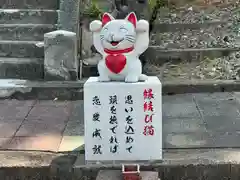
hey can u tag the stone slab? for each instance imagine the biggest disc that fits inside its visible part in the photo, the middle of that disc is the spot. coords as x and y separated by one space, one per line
180 98
41 90
159 55
25 165
218 96
209 164
71 143
225 139
60 61
117 175
214 107
60 114
68 18
180 110
4 142
183 125
24 32
41 127
74 128
22 68
8 128
28 4
28 16
54 103
14 112
37 143
222 123
187 140
15 102
176 27
72 90
21 49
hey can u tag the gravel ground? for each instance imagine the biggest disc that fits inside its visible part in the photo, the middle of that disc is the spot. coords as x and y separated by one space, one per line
226 35
212 37
225 68
196 14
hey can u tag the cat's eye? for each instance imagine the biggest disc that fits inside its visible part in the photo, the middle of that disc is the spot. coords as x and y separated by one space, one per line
123 30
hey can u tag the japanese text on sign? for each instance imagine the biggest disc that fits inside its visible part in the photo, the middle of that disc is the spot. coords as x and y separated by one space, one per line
129 128
113 101
97 148
149 112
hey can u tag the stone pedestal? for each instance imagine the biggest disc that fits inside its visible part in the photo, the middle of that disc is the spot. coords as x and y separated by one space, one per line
117 175
123 121
60 51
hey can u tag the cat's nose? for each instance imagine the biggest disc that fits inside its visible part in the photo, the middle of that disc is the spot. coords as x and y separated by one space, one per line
116 37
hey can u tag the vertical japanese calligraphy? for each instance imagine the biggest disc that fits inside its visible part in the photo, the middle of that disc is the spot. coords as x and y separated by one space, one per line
129 128
149 112
113 101
97 148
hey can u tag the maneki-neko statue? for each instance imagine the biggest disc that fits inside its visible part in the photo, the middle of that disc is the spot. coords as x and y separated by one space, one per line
121 42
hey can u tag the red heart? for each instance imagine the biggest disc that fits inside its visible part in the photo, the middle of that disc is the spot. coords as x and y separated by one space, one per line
116 63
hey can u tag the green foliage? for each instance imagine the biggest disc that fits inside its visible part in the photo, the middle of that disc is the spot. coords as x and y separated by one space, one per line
157 3
93 11
152 3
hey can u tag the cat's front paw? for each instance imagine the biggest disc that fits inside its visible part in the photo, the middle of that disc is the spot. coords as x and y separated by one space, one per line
104 79
142 26
95 26
131 79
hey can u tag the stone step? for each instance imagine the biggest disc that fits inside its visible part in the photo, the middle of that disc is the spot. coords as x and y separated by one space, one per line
73 90
156 55
196 14
41 90
223 35
21 49
184 164
25 32
29 4
21 68
28 16
178 26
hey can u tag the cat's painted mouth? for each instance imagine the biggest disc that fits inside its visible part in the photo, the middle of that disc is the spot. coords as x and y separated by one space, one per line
114 43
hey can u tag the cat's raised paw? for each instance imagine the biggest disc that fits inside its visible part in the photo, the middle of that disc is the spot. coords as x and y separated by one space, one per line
142 26
95 25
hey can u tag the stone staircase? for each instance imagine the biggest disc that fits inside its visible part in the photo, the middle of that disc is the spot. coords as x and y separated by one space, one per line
193 32
22 27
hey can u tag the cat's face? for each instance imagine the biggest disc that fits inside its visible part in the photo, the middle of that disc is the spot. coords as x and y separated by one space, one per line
118 34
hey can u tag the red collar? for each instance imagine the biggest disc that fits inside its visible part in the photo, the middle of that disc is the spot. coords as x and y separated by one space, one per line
121 51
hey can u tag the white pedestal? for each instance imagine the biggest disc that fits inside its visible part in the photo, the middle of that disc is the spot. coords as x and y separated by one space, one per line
117 127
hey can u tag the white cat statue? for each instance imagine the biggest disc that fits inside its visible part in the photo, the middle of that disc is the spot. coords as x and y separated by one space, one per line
121 42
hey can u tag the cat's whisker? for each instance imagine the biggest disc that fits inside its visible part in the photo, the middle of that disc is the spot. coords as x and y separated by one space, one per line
132 41
130 37
127 35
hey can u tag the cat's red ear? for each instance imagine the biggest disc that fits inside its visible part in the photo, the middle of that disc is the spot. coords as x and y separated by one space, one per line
132 18
106 18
